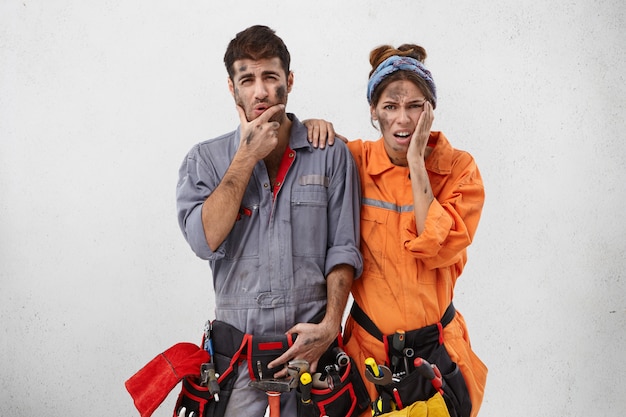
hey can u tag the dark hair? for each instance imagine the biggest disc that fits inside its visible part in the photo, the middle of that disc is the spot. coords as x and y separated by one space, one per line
381 53
257 42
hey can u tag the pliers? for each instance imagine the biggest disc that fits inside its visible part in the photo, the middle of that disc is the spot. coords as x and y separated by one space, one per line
430 372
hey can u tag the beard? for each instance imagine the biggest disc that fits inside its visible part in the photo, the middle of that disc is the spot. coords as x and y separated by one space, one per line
281 98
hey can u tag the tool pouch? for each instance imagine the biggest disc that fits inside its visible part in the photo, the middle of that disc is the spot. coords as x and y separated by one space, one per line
415 387
264 349
348 396
196 398
426 343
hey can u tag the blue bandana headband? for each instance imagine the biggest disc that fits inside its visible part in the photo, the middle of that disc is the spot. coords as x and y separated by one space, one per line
397 63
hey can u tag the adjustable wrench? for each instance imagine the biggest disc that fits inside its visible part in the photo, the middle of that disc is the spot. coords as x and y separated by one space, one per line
377 374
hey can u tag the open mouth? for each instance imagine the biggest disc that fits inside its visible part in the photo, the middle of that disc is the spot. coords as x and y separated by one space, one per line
259 110
403 137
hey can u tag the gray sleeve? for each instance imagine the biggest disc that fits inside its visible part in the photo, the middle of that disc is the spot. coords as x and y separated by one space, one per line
344 213
195 183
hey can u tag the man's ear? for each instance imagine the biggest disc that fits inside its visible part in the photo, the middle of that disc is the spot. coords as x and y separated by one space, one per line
289 82
231 87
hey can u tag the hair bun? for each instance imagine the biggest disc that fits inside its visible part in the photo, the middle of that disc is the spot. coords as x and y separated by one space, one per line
381 53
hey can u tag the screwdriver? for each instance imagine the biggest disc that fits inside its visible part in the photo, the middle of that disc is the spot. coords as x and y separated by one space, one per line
306 382
398 345
371 364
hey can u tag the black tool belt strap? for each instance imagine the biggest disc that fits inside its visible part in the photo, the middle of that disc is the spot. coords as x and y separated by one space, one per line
365 322
230 341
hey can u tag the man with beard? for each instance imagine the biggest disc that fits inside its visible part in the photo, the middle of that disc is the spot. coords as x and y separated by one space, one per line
277 219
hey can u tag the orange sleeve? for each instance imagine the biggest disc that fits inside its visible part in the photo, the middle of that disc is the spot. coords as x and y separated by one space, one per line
452 218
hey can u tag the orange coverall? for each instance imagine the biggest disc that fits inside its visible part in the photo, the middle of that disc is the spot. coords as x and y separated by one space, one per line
408 280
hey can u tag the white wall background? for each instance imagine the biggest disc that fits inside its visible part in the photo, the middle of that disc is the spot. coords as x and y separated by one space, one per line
100 100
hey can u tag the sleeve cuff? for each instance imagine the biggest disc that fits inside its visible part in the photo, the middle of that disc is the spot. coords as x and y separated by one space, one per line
197 239
344 255
436 230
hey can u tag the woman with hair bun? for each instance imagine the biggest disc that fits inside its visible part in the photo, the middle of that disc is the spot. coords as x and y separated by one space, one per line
421 204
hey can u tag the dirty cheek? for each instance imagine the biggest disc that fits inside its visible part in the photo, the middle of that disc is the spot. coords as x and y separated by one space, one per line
281 93
383 119
238 99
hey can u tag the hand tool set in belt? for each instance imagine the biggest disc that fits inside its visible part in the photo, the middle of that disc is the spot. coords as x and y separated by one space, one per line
417 367
335 390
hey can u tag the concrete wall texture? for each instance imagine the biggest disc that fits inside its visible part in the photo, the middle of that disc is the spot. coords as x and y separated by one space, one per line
100 101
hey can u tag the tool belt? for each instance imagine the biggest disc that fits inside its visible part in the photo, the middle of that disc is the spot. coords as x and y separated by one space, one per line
344 393
228 349
338 389
411 383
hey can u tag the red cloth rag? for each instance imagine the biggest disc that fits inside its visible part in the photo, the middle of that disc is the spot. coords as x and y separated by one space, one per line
151 384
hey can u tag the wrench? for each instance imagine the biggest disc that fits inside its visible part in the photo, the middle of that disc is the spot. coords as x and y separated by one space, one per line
377 374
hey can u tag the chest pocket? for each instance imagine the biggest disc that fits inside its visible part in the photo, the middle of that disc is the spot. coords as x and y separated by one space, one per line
309 222
373 239
246 229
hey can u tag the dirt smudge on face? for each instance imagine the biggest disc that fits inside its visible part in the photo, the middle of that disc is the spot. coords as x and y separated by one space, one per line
398 92
383 120
281 93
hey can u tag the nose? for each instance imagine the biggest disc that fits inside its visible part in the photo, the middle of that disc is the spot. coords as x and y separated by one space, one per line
403 115
260 91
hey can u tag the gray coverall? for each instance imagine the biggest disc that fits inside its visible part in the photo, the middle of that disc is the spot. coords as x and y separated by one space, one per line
269 273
